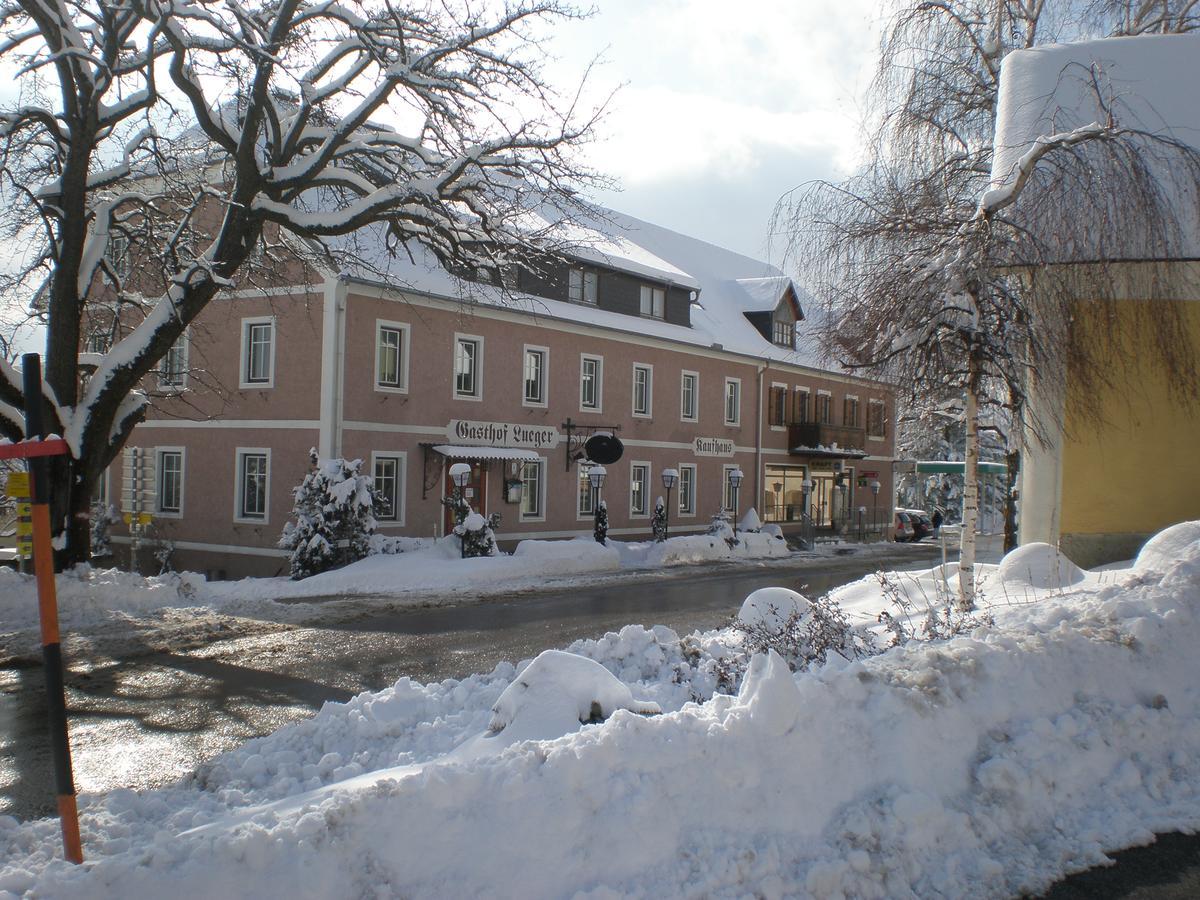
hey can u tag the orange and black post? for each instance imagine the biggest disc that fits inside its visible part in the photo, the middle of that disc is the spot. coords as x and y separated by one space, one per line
43 566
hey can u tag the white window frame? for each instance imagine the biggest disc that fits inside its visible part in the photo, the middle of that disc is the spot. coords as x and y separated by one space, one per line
545 376
159 510
882 420
816 408
477 395
184 343
657 302
401 458
737 407
809 409
858 404
683 377
691 513
540 516
101 492
240 453
244 362
648 413
727 487
787 399
401 387
586 278
582 515
634 465
599 360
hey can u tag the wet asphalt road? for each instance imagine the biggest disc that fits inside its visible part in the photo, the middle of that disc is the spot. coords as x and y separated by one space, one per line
150 717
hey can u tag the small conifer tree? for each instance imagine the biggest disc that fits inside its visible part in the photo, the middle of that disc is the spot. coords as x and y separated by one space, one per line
334 517
658 521
600 532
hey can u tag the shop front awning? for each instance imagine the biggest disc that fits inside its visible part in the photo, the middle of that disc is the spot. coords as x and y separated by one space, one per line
946 467
461 452
828 452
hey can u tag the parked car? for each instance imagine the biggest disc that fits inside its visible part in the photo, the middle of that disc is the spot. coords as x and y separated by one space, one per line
921 523
904 527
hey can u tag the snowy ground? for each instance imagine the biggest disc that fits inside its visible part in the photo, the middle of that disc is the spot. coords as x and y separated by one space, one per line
102 609
1062 723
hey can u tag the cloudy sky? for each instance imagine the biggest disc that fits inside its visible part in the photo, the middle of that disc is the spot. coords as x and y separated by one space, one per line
722 107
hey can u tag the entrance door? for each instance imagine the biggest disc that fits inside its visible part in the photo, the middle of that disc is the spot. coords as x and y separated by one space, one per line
475 492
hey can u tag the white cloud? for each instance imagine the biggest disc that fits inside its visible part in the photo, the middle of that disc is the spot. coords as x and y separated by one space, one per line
733 103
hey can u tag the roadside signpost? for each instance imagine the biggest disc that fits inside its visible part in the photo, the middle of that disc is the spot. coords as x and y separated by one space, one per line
35 450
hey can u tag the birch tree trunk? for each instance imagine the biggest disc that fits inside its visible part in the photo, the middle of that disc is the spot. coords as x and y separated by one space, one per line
970 517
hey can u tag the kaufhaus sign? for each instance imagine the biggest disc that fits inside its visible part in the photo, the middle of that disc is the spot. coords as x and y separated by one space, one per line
704 446
502 434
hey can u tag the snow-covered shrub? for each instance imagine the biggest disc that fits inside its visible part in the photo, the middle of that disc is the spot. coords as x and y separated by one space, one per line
750 521
389 545
104 516
658 521
458 505
478 534
164 555
939 619
804 632
558 691
1039 565
600 531
334 517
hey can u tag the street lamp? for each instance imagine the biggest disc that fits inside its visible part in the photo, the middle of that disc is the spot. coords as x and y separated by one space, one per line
596 477
806 487
875 506
460 474
735 482
669 477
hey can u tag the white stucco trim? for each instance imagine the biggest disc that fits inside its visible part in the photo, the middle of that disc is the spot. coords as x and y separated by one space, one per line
239 549
255 424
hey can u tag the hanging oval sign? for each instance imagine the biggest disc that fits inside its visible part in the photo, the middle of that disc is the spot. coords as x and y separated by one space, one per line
603 449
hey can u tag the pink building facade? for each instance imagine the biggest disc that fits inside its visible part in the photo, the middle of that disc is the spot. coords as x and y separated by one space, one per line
691 355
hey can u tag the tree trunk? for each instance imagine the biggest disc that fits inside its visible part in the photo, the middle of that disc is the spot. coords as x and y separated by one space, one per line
1013 458
71 513
970 518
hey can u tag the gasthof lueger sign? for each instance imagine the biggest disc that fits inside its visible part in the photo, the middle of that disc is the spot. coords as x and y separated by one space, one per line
502 434
703 446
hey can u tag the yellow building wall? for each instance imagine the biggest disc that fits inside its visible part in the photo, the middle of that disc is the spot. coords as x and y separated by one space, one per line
1138 470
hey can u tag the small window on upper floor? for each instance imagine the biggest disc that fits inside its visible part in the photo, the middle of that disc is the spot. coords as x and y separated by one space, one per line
468 375
172 370
784 334
96 342
876 418
391 356
258 352
582 286
118 255
653 302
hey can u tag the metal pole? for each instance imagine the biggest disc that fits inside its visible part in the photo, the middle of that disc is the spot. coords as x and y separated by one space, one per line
43 563
667 523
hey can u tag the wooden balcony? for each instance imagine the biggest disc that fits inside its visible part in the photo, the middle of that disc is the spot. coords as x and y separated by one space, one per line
827 440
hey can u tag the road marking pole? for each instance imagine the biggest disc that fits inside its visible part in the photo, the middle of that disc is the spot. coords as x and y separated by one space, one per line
34 449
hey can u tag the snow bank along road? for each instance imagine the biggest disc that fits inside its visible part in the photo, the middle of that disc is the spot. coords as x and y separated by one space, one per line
1058 722
148 709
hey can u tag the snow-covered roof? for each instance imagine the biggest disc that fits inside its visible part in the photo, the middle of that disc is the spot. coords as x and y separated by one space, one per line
727 285
1146 83
764 294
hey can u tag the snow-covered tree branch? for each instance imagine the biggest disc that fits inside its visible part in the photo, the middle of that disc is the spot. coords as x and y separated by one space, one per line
925 264
210 141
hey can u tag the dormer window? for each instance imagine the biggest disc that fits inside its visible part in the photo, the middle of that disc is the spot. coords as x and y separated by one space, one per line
784 334
653 302
582 285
